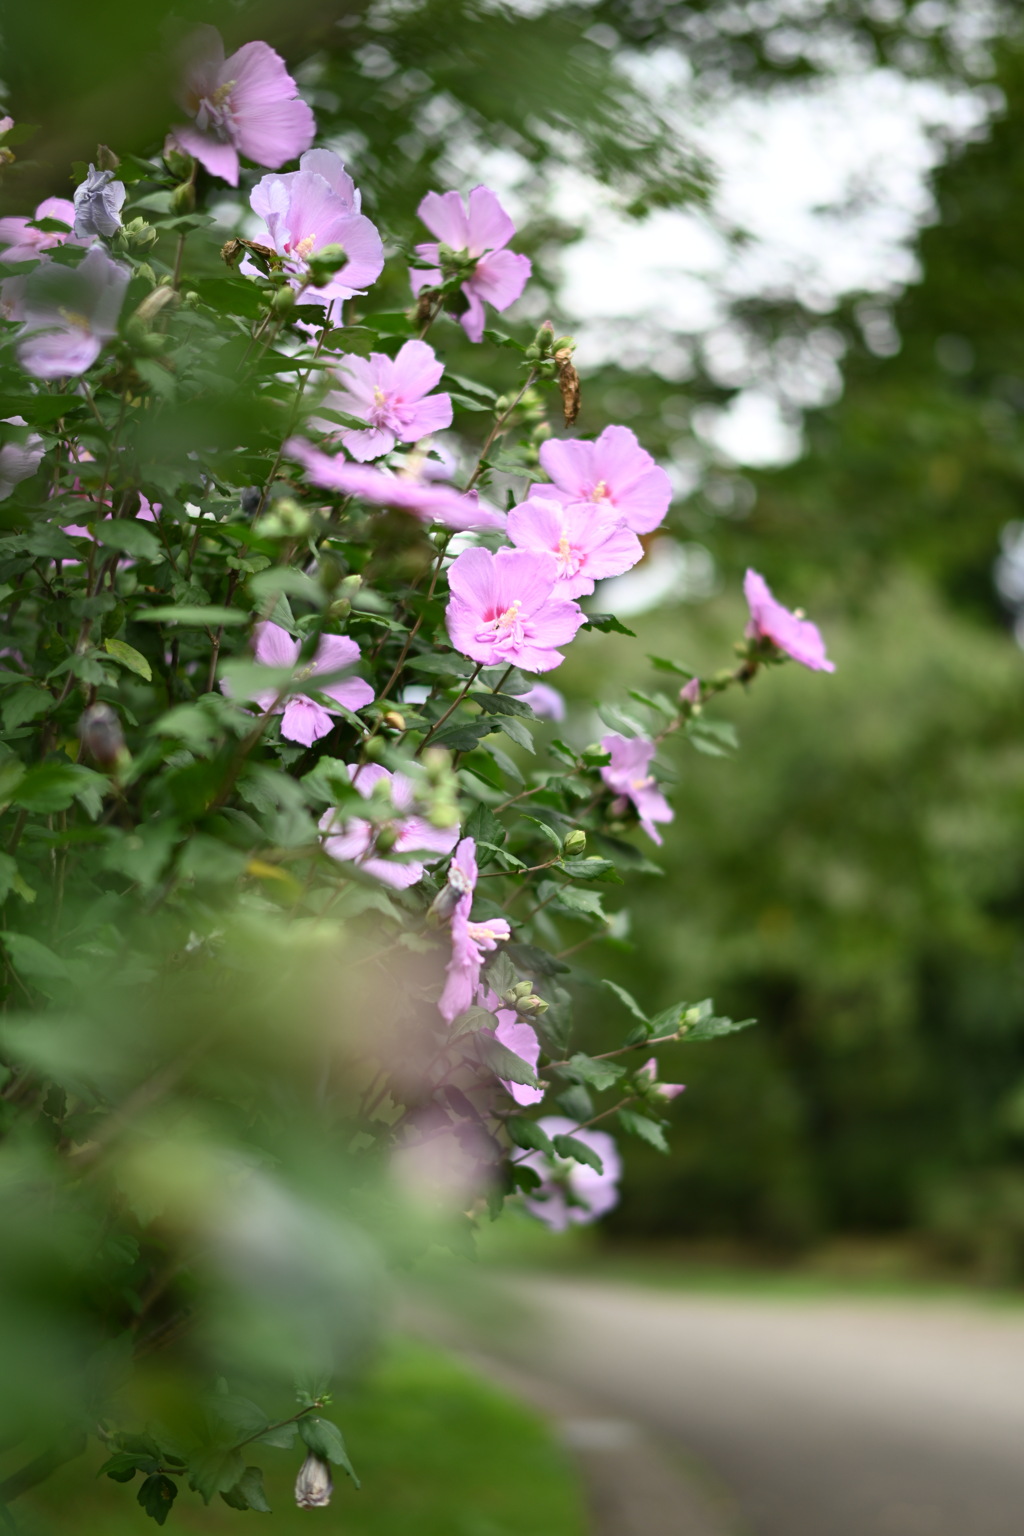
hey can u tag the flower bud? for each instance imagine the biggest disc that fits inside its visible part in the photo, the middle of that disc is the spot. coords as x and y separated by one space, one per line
98 202
339 609
106 160
183 198
313 1486
395 720
323 264
531 1005
387 837
283 301
575 842
100 732
155 302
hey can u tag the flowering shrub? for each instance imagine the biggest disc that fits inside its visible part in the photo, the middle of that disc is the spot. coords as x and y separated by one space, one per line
293 883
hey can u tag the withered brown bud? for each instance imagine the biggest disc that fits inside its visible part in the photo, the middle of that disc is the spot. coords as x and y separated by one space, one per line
101 735
231 252
314 1485
106 160
424 307
568 384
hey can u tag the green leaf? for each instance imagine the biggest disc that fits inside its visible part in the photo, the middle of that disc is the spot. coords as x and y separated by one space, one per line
129 657
599 1075
451 665
215 1471
122 1467
25 703
501 704
472 1021
505 1064
281 1436
11 774
529 1135
33 959
580 903
460 737
708 1026
628 999
592 869
248 1492
129 536
156 1496
639 1125
53 786
550 835
715 738
572 1147
324 1439
619 720
607 623
8 875
501 973
211 617
240 1417
662 664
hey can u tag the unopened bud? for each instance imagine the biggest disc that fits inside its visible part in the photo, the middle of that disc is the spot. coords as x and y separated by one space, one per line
575 842
689 694
283 301
386 839
374 749
350 586
437 763
313 1486
339 609
106 160
395 720
324 263
101 735
518 990
154 302
183 198
531 1006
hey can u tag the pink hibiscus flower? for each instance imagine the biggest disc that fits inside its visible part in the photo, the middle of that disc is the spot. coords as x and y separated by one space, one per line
627 774
470 941
614 473
247 104
505 610
312 208
69 314
392 397
23 243
481 233
19 458
570 1192
353 839
462 511
648 1078
521 1040
587 544
303 719
790 632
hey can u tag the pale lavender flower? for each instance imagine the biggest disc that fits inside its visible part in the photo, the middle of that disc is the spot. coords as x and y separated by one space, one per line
441 1163
312 208
545 701
392 396
613 473
470 941
521 1040
627 774
790 632
353 839
303 719
247 104
505 609
462 511
98 203
573 1193
69 313
23 243
586 543
480 232
19 458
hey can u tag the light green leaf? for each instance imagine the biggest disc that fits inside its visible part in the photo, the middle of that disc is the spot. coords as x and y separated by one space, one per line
628 999
129 657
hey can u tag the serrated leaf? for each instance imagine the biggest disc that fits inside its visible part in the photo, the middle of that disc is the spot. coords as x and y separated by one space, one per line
514 728
581 903
323 1437
599 1075
627 999
578 1151
501 973
501 704
639 1125
11 774
248 1492
607 623
215 1471
529 1135
25 703
592 869
129 657
157 1495
471 1021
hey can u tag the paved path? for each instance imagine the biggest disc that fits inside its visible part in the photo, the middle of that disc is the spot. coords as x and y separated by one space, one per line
825 1418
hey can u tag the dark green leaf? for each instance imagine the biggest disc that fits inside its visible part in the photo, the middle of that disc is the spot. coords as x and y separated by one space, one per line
627 999
607 623
472 1021
324 1439
639 1125
248 1492
571 1146
599 1075
128 535
529 1135
215 1471
156 1496
505 1064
